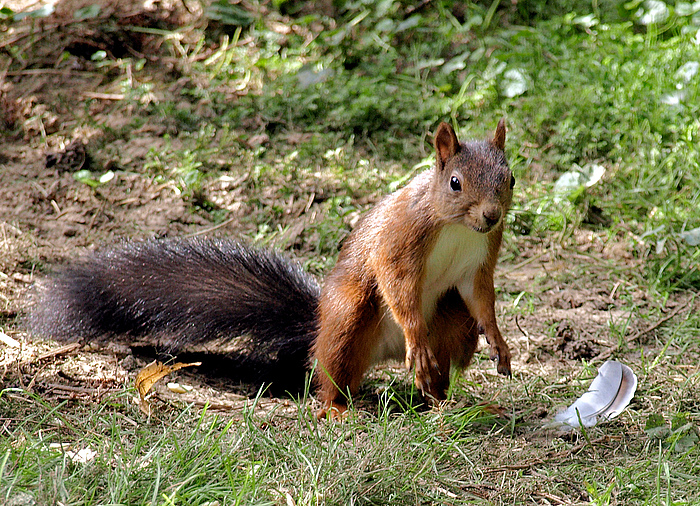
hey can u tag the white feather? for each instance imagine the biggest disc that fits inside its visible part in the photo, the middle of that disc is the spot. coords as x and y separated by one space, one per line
609 394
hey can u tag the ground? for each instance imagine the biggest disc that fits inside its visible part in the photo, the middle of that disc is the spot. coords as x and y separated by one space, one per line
48 217
564 304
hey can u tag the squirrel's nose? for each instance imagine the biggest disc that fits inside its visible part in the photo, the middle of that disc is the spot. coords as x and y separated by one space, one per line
491 216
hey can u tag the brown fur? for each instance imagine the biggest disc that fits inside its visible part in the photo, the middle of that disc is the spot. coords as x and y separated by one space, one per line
382 268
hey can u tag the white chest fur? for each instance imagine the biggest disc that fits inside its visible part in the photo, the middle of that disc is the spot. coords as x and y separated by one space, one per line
457 254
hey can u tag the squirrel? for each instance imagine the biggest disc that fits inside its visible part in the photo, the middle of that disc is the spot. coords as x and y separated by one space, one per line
413 282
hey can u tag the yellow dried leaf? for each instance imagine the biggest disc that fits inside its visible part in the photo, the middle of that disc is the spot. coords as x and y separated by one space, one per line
154 371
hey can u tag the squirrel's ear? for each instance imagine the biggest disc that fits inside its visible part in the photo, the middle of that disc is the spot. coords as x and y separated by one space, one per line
499 138
446 143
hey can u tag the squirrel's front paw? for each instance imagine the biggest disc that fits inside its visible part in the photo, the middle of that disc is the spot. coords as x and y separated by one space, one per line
426 366
334 411
502 354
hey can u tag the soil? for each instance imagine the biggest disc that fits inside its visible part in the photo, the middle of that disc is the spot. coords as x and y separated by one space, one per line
48 217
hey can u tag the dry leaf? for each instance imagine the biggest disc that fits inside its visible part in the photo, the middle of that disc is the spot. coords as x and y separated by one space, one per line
154 371
149 375
82 456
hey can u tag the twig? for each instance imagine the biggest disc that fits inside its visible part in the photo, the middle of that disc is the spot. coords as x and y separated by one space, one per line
12 343
36 375
517 323
663 320
17 39
4 71
46 29
93 393
103 96
553 498
96 214
555 456
640 333
69 388
415 8
57 72
63 350
210 229
219 406
525 262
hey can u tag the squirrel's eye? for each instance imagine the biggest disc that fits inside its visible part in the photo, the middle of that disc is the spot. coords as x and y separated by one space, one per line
455 185
512 181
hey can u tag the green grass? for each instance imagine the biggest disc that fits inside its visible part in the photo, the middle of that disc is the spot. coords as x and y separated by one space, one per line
397 455
580 84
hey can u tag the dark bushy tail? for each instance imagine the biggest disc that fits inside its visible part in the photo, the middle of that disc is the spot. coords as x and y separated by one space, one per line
182 292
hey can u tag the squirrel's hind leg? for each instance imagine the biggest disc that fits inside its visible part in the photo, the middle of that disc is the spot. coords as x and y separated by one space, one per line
454 336
343 351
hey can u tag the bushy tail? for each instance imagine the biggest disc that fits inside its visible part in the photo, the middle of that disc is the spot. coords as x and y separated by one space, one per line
182 292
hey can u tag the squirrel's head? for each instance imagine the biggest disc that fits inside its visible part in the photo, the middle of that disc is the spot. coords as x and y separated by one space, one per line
473 184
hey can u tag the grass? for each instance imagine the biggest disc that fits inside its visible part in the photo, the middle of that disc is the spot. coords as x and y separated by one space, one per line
314 124
458 456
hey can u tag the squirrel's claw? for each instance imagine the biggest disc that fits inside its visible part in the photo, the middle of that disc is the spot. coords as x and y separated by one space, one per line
333 411
504 369
425 363
502 355
503 359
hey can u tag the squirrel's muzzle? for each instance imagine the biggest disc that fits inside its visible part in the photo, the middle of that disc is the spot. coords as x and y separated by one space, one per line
492 216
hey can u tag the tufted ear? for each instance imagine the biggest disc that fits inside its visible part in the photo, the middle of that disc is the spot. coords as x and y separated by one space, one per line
499 138
446 144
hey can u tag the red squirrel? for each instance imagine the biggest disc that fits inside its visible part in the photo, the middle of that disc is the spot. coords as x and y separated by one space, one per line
413 282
